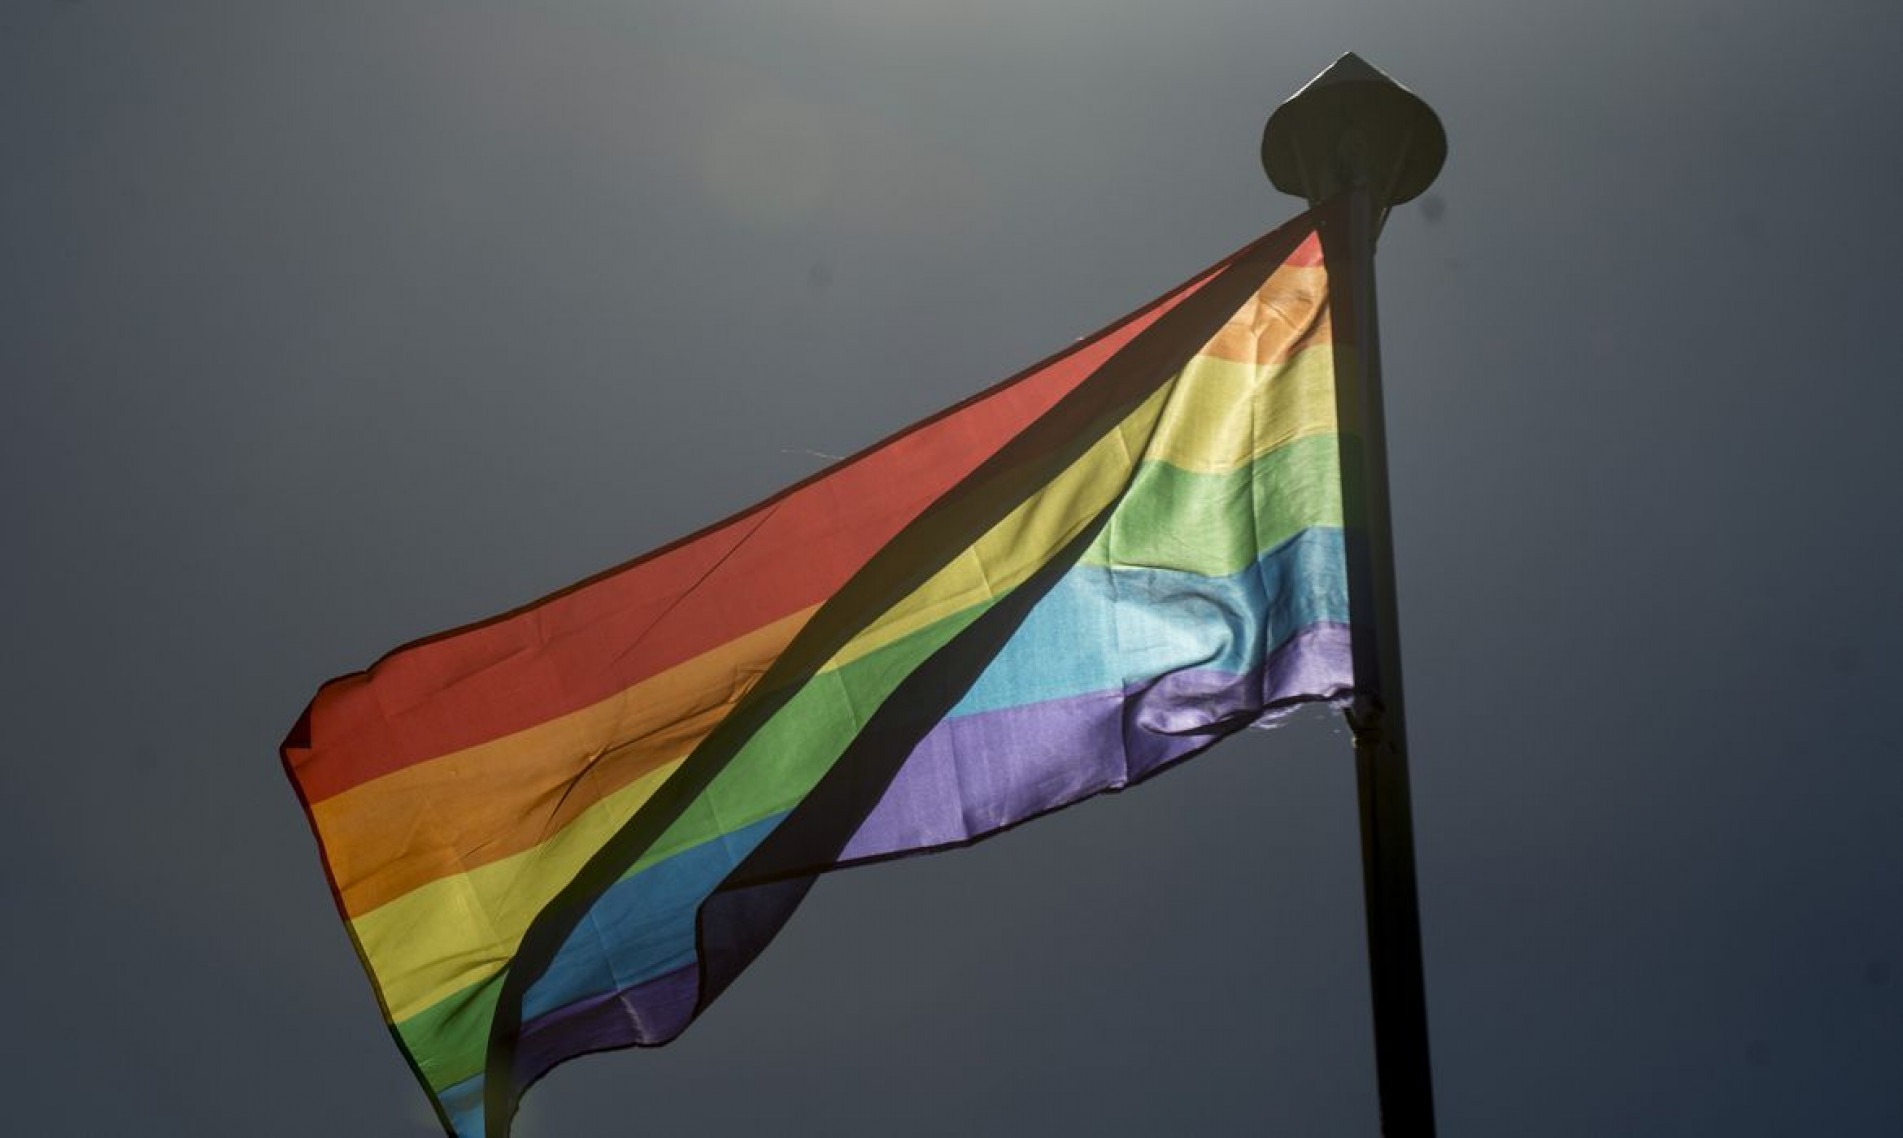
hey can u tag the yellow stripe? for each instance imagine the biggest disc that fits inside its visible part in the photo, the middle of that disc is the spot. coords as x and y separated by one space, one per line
1227 414
442 937
423 822
1017 546
1192 422
456 931
472 807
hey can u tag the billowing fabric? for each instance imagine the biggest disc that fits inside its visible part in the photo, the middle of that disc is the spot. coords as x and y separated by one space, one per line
568 828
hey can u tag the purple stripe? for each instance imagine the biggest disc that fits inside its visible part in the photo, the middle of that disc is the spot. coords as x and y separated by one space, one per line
975 774
650 1013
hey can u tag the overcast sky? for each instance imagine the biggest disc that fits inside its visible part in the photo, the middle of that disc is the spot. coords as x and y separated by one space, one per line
327 326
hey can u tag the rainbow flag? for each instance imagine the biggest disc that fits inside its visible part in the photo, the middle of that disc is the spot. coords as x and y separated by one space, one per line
568 828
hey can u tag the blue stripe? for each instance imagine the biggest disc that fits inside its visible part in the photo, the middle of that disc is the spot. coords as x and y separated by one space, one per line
1162 621
643 926
463 1104
640 929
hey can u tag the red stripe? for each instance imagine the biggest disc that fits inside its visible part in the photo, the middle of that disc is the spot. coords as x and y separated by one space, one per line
585 643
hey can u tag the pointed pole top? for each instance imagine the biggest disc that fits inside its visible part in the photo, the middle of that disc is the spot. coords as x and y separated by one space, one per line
1353 125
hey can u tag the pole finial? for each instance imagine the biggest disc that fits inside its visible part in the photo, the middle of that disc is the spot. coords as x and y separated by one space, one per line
1351 125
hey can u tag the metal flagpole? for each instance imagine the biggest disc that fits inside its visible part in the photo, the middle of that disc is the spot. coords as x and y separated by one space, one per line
1357 142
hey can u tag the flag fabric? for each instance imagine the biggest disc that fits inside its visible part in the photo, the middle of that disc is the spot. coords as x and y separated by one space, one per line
568 828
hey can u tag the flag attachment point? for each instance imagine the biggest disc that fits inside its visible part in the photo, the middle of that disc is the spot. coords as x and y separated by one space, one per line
1353 123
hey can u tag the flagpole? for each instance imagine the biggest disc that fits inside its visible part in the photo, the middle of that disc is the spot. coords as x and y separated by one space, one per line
1357 142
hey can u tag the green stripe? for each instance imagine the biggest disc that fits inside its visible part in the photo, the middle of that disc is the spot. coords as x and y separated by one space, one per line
797 746
1171 518
447 1039
1175 519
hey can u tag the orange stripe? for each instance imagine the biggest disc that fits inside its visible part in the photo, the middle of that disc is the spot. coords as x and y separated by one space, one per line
458 811
1282 315
587 643
452 813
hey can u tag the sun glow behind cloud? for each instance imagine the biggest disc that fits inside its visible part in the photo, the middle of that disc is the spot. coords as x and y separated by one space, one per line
592 93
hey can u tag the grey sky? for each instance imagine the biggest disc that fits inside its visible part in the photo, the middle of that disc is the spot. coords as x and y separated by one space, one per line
325 326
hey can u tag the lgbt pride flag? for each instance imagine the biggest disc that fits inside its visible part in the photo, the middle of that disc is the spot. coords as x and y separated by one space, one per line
568 828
